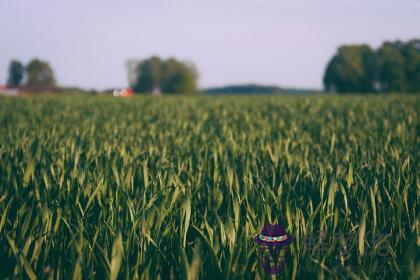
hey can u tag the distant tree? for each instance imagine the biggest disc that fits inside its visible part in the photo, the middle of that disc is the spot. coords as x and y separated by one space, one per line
148 75
39 73
16 72
394 67
168 76
352 69
178 77
411 53
391 67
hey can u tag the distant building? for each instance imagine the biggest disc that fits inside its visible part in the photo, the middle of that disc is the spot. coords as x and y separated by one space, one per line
156 91
4 90
123 93
127 92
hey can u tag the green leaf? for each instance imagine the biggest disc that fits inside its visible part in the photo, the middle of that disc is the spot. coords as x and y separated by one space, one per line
116 258
362 231
187 217
350 175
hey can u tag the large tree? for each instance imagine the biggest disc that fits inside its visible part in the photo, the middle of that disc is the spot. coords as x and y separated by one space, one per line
411 54
178 77
391 67
148 75
394 67
39 73
16 72
352 69
168 76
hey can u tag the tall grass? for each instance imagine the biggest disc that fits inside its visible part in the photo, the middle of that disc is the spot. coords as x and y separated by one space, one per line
172 187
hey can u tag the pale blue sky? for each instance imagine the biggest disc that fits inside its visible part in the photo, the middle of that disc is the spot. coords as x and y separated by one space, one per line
279 42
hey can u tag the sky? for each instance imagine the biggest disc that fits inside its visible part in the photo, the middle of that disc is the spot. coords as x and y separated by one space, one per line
277 42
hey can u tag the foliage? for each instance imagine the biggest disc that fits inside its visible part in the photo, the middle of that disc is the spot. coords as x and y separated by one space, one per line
177 187
350 70
149 75
394 67
169 76
391 67
245 89
411 53
16 72
39 74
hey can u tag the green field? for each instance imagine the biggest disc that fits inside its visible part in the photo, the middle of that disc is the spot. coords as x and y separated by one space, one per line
177 187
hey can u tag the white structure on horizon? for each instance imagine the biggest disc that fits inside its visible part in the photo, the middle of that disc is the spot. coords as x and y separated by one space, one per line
4 90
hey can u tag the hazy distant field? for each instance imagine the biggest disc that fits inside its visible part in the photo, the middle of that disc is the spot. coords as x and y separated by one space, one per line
178 187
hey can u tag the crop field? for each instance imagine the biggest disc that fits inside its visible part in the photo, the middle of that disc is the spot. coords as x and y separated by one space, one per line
178 187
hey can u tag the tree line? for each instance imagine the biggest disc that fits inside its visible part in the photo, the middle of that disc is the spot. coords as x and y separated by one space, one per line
393 67
155 75
152 75
36 73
